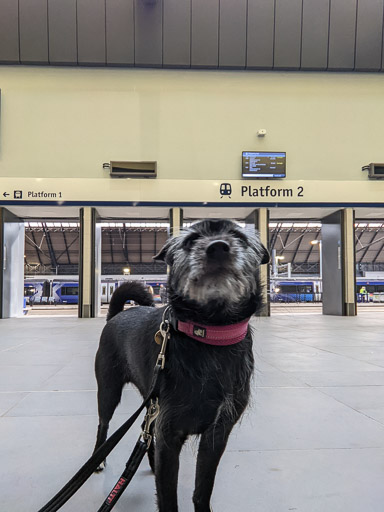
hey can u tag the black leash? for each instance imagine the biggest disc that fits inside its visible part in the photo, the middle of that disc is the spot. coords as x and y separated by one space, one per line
105 449
133 463
134 460
97 458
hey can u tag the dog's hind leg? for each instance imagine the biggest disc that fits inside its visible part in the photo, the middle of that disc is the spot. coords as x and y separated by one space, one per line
110 381
212 445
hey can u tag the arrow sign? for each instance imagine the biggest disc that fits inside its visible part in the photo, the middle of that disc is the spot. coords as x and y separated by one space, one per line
5 194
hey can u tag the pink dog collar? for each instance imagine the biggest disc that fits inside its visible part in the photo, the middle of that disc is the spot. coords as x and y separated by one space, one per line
219 335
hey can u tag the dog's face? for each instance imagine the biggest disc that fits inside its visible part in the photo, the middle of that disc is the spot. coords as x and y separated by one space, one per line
214 259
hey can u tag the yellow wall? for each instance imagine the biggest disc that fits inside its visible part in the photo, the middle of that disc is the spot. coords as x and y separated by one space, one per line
65 122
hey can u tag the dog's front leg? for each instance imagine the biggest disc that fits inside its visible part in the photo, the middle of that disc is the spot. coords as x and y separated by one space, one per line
167 451
211 448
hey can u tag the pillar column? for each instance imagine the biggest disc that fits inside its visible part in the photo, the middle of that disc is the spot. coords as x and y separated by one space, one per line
89 263
349 262
259 219
175 221
12 235
338 263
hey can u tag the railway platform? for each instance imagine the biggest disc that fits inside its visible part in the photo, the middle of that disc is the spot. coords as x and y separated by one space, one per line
312 439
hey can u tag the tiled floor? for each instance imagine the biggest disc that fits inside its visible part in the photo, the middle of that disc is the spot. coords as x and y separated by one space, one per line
312 440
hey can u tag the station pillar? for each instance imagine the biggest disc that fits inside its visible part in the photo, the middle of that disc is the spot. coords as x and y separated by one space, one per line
89 263
338 263
259 219
12 264
175 221
349 262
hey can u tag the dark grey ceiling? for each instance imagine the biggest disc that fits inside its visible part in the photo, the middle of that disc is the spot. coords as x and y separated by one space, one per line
238 34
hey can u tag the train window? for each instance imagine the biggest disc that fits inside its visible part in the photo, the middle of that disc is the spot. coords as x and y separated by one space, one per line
370 287
295 288
288 288
69 290
306 289
103 290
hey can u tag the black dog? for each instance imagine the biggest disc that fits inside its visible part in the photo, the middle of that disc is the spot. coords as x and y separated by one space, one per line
204 388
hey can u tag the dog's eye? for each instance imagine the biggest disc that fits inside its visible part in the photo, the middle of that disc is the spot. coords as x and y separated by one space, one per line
188 242
241 237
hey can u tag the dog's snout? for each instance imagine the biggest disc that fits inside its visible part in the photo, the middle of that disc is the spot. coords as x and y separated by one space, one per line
218 250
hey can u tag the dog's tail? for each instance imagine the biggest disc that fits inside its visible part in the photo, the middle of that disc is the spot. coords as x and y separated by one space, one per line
131 290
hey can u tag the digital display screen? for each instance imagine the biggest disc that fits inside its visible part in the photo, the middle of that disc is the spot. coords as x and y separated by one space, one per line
263 164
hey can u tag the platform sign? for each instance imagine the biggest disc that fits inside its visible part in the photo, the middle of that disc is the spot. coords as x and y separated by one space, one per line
67 191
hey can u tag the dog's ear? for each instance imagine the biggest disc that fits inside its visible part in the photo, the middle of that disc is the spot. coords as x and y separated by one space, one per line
165 254
265 256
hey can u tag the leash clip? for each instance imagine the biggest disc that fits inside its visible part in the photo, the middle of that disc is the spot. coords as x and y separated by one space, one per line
161 357
152 413
164 333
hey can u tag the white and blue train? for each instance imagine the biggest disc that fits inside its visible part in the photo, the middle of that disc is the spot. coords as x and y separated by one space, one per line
52 290
305 289
65 290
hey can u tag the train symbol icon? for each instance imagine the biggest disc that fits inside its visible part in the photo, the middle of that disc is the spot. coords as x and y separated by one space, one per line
225 190
17 194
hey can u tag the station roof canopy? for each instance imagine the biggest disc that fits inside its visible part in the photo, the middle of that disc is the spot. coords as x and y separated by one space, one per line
55 244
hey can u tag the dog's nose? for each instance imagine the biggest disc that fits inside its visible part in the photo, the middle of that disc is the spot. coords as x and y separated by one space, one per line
218 250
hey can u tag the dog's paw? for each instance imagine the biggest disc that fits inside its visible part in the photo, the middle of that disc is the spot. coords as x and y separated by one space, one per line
100 467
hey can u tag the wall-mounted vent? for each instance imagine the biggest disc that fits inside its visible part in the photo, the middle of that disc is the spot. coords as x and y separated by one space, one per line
133 169
375 171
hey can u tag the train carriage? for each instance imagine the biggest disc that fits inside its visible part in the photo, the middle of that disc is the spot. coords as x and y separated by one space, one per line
46 290
306 290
